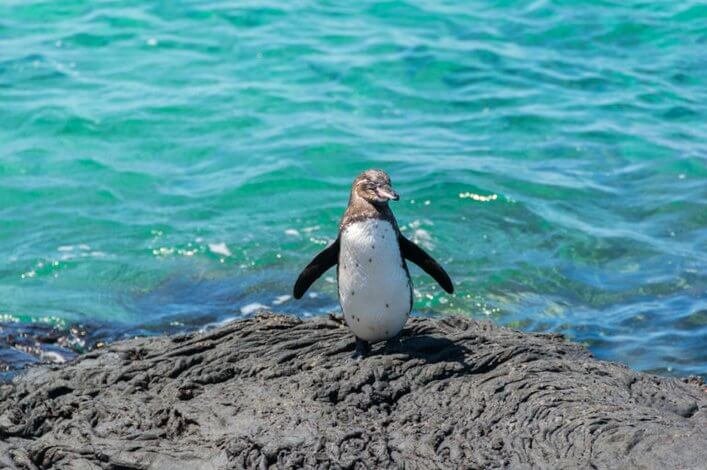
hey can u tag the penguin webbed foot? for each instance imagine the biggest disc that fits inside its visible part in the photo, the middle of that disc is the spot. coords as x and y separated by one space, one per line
362 349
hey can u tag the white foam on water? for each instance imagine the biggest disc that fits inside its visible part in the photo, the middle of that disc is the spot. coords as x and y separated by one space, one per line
253 307
281 299
51 356
220 249
212 325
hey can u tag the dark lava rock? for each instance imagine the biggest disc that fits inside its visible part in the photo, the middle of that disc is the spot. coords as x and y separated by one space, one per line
275 391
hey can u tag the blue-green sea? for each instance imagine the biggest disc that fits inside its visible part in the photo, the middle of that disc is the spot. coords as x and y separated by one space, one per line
169 165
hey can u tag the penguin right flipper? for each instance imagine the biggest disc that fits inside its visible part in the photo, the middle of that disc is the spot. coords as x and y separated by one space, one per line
319 265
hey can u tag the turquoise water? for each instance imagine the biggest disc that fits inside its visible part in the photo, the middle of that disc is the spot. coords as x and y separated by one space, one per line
167 165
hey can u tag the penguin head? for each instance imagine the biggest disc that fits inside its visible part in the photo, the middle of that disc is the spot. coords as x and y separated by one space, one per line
374 186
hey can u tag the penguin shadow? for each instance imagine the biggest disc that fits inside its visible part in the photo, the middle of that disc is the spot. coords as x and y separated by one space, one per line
429 348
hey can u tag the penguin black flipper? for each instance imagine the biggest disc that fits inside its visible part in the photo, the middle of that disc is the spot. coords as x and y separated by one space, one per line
417 255
318 266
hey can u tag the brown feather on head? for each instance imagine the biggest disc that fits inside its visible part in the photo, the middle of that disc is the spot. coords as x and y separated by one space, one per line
374 186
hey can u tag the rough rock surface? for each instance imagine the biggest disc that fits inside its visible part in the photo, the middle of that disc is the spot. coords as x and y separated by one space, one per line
275 391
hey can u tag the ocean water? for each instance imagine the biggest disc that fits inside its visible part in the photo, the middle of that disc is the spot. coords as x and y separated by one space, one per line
165 166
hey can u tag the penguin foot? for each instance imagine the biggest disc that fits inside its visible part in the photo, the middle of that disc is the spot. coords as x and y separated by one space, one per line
362 349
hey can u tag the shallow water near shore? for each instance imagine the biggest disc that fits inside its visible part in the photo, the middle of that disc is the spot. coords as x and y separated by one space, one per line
170 166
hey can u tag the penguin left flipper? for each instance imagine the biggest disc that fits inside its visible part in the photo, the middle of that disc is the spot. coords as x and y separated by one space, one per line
318 266
417 255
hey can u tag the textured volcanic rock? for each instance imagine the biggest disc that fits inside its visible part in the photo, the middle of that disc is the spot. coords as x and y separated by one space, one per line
275 391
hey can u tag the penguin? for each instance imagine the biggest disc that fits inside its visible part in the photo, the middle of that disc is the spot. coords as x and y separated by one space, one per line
370 252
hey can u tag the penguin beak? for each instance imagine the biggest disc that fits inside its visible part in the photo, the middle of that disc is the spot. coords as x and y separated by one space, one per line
387 193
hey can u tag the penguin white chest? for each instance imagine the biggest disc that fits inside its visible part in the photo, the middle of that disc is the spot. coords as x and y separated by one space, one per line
374 288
